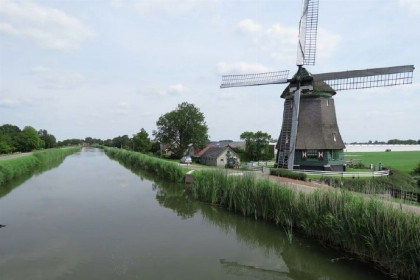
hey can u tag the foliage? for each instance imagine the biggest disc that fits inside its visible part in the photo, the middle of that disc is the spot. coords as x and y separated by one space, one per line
288 174
376 185
12 169
141 142
183 126
8 138
163 169
48 139
416 170
404 142
365 227
257 145
29 140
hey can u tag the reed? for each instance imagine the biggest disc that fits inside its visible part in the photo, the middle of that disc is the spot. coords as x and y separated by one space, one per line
14 168
162 169
363 226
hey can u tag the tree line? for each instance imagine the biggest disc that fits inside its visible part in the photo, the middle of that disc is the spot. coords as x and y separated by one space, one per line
176 131
13 139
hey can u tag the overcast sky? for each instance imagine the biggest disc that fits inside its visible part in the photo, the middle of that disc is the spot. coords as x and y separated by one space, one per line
108 68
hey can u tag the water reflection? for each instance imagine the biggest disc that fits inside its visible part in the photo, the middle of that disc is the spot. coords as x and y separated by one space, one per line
53 163
303 259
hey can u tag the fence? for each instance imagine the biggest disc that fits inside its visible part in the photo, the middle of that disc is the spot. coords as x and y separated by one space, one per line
345 174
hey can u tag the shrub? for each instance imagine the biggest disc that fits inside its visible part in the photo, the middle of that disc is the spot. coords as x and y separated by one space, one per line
288 174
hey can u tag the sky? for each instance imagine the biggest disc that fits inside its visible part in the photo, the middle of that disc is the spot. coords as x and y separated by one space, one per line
103 69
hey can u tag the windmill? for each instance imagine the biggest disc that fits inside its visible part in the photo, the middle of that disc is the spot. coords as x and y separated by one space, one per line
309 137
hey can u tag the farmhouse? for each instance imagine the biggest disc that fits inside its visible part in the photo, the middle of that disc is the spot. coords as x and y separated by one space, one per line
216 156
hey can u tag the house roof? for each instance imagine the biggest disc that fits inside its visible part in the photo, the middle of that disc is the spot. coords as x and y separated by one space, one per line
215 151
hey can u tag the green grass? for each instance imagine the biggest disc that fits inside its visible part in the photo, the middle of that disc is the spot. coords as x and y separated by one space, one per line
363 226
404 161
163 169
12 169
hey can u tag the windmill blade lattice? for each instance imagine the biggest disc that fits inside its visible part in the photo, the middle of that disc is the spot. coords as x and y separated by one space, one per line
368 78
279 77
308 28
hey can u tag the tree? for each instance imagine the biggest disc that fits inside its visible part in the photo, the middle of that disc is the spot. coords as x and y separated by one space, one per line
8 138
183 126
257 145
141 142
49 139
29 140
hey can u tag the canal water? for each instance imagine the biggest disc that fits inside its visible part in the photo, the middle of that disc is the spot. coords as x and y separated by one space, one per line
91 218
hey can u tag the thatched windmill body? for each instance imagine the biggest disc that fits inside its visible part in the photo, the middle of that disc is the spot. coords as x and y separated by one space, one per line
309 137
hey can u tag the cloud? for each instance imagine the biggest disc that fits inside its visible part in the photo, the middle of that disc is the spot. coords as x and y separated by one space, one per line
175 89
241 68
413 6
280 42
249 26
166 7
48 27
56 79
6 102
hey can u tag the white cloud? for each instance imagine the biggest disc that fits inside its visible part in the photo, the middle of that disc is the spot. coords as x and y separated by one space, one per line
412 5
280 42
58 79
49 27
8 102
167 7
175 89
248 25
241 68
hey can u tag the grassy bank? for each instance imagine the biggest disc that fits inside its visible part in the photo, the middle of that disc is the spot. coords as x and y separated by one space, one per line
166 170
365 227
12 169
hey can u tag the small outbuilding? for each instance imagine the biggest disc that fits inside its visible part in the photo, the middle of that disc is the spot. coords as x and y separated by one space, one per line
217 156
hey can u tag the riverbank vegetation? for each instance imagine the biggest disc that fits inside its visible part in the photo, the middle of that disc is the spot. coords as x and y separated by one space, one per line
12 169
162 169
363 226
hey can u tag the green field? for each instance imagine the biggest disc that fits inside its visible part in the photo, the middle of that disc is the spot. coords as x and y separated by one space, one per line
404 161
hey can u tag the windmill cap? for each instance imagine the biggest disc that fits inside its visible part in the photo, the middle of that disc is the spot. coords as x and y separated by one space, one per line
306 79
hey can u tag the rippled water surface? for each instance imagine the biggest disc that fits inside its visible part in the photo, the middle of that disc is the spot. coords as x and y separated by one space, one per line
91 218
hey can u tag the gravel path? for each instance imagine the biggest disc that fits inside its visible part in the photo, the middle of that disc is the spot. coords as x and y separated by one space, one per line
6 157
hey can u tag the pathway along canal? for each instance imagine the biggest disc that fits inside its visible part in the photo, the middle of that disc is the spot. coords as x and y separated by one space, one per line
91 218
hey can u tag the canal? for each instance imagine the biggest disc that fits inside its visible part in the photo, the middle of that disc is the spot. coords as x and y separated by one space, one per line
91 218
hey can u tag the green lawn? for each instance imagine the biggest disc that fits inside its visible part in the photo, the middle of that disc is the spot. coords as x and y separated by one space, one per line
404 161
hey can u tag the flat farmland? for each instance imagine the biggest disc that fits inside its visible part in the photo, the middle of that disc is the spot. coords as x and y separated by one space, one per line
404 161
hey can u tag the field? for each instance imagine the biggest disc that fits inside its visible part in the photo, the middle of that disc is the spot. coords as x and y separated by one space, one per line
404 161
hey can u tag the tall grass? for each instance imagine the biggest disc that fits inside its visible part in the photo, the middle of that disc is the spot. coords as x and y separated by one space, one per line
12 169
363 226
162 169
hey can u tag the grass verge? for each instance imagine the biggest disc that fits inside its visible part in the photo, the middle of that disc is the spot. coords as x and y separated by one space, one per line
12 169
163 169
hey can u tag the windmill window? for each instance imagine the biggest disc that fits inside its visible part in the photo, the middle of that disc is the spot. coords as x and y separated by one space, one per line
335 138
328 102
312 154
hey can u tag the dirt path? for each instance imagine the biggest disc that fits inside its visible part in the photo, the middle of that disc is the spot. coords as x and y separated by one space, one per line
6 157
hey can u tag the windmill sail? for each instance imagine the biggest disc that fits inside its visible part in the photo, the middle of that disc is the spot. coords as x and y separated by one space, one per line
279 77
308 26
368 78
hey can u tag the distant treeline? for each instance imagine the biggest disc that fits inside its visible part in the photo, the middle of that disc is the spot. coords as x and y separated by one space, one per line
391 142
13 139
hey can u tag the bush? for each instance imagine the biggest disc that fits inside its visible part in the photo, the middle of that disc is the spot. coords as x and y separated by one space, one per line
288 174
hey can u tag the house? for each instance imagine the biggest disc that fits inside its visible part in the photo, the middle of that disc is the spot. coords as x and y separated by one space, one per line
216 156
